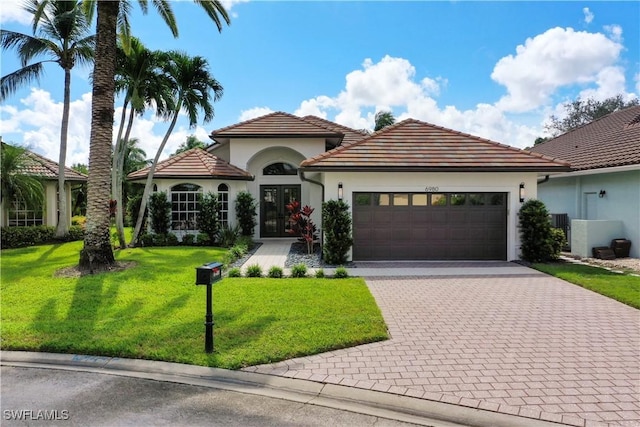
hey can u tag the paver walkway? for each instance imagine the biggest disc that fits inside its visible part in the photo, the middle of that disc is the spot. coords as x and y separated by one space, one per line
524 344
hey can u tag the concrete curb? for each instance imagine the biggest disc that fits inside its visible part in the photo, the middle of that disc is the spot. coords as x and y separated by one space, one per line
369 402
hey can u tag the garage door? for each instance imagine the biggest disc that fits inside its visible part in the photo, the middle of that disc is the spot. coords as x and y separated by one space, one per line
429 226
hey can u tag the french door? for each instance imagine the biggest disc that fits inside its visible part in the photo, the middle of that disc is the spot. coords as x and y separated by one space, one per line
274 219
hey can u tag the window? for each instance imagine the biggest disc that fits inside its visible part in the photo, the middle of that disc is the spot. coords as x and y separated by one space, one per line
419 199
223 198
401 199
21 216
381 199
363 199
280 169
476 199
185 206
438 199
458 199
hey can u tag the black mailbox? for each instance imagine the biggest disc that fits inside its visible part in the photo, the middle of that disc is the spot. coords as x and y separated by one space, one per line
208 273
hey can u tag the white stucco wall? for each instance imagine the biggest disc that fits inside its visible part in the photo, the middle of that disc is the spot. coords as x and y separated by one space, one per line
586 235
50 210
243 151
569 194
446 183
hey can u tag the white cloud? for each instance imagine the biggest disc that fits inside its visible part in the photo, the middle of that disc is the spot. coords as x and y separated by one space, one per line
610 81
615 32
558 57
253 113
588 15
12 11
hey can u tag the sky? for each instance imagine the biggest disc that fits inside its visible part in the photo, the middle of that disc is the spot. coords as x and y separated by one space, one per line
496 70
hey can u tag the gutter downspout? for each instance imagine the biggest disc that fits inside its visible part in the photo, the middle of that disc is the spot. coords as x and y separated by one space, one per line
546 178
304 178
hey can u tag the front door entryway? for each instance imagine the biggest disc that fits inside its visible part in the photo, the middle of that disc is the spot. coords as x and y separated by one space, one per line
274 219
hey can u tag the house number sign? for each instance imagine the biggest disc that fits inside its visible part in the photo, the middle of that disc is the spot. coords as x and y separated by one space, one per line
429 189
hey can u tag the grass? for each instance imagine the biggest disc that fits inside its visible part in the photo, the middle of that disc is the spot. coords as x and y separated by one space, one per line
621 287
154 310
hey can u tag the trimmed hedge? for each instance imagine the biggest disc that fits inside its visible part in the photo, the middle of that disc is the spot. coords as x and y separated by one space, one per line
20 237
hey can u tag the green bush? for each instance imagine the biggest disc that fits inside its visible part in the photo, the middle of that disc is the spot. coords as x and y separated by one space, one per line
203 239
19 237
319 273
275 272
79 220
234 272
159 239
558 241
336 224
254 271
188 239
146 239
238 251
246 211
341 273
160 212
172 239
536 239
208 222
299 270
76 232
228 236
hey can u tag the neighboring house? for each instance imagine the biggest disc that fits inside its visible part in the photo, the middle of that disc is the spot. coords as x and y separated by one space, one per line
416 191
18 214
604 184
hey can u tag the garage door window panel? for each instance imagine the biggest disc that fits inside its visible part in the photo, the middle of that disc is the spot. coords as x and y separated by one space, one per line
419 199
438 199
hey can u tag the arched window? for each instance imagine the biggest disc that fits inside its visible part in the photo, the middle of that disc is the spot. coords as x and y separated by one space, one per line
223 198
280 168
185 206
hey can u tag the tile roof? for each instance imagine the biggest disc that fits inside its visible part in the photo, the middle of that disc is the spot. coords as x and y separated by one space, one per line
37 165
350 135
413 145
275 125
612 140
194 163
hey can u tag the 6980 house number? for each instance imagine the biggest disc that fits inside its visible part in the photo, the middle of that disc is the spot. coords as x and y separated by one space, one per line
430 189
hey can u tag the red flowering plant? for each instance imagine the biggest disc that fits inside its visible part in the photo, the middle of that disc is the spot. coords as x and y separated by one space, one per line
301 224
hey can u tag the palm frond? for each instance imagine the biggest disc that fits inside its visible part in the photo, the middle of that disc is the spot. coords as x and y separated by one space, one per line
215 10
10 83
164 9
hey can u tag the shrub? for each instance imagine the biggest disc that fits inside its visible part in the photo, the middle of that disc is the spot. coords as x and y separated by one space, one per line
275 272
238 251
336 224
172 239
234 272
188 239
227 236
341 273
254 271
299 270
19 237
558 241
246 212
79 220
159 240
160 212
76 232
301 224
133 207
207 221
203 239
319 273
246 241
537 243
146 239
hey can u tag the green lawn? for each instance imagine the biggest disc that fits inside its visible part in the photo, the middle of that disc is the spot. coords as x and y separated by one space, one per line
154 310
621 287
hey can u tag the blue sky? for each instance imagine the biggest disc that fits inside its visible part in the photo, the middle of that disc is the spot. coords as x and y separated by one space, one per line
492 69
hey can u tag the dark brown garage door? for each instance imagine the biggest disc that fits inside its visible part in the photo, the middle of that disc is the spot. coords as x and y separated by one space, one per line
429 226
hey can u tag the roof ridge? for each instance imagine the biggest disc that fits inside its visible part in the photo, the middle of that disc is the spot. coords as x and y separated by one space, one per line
51 165
362 132
244 122
275 113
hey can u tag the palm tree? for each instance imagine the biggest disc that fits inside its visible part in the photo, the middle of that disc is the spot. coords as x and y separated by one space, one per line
16 185
192 85
138 77
191 142
62 33
135 159
383 119
97 251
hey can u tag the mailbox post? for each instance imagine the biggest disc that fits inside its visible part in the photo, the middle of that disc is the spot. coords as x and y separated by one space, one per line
207 275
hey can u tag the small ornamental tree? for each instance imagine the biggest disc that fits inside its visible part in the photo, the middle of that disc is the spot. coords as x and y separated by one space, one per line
246 207
208 218
336 224
160 212
301 224
537 242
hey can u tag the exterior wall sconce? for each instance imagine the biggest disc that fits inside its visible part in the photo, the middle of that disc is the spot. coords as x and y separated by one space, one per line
521 192
602 193
340 191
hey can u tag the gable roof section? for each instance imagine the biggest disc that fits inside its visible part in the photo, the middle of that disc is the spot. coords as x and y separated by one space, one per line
39 166
194 163
350 135
412 145
612 140
274 125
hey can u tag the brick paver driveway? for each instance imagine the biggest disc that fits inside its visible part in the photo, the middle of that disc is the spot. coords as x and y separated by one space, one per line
531 345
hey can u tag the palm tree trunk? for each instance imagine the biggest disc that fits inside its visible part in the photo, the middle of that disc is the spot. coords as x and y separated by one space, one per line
148 184
121 178
62 228
116 178
97 253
